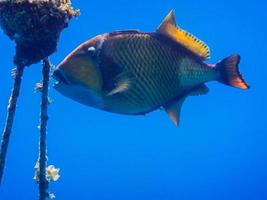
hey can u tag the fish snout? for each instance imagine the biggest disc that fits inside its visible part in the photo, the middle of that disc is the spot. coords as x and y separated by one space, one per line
59 76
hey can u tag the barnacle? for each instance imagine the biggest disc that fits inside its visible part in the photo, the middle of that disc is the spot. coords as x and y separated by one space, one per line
51 196
52 173
39 87
35 26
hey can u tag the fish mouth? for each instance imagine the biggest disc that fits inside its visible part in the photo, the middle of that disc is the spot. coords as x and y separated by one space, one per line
60 78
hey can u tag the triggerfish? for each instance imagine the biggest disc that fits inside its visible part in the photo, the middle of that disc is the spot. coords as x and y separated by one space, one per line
132 72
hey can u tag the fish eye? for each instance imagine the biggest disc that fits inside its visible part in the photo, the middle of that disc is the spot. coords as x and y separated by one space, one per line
91 50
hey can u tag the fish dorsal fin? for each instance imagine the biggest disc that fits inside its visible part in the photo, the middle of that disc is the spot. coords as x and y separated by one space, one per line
169 28
174 109
117 32
169 19
201 90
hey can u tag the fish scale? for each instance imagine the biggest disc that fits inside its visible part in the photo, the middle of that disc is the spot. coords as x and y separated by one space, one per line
158 71
153 62
145 84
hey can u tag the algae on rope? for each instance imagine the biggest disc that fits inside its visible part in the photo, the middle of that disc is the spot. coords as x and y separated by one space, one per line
35 26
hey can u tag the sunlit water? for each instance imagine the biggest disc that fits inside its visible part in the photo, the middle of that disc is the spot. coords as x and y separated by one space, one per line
218 153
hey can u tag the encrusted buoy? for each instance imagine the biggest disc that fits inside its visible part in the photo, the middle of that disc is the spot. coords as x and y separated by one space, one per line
35 26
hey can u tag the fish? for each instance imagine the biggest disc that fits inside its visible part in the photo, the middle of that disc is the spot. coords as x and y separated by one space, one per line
134 73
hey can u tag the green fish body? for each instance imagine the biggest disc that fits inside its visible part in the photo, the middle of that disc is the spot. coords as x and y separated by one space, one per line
132 72
155 70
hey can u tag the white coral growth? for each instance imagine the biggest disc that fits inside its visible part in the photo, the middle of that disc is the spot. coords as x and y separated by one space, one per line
52 173
51 196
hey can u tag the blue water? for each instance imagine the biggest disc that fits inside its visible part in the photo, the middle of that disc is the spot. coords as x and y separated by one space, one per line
218 153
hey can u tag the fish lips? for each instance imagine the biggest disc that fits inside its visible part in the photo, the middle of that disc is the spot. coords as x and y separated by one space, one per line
61 81
59 76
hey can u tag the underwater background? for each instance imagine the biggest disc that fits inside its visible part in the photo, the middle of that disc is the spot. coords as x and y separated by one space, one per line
219 152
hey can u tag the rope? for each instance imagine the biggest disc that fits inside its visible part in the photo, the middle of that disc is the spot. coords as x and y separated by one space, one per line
11 109
43 183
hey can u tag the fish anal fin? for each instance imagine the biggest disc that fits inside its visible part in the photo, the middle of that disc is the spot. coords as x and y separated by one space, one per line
174 110
201 90
169 28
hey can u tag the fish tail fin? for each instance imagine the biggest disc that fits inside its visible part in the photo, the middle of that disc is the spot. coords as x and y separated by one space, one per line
229 73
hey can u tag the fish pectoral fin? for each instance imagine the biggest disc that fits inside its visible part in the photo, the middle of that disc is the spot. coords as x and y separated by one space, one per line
123 83
169 28
201 90
120 87
174 110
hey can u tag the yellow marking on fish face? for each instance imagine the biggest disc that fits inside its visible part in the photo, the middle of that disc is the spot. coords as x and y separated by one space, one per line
82 69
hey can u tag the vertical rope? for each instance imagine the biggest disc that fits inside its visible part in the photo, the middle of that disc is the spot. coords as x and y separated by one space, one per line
11 109
43 183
